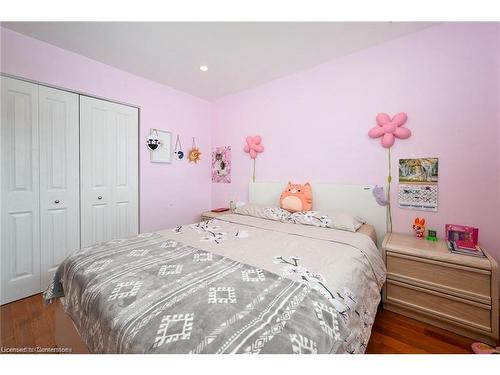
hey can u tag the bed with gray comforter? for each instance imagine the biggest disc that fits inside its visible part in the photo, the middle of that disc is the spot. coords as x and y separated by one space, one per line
237 284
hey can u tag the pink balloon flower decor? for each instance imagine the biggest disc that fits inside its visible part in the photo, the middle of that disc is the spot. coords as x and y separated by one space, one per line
390 128
253 146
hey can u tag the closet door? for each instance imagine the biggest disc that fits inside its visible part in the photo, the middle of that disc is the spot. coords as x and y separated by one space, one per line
125 176
59 179
20 223
108 170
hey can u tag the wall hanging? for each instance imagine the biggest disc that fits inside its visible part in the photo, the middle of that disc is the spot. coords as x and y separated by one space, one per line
418 184
178 153
390 128
153 140
221 165
163 152
253 147
194 154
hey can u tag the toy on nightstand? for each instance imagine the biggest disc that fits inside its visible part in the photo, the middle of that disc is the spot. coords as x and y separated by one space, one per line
461 236
419 227
461 233
431 235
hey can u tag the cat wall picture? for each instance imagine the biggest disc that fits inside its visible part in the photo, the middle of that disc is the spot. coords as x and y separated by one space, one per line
221 165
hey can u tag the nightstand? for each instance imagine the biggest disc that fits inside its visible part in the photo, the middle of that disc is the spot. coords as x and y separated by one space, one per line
428 283
207 215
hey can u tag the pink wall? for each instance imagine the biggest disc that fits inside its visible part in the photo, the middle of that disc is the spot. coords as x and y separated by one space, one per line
163 188
446 78
314 124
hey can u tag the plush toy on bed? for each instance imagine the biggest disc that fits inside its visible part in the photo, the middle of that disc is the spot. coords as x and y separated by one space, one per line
296 197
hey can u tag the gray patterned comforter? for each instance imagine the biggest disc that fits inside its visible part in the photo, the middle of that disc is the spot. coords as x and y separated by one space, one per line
169 293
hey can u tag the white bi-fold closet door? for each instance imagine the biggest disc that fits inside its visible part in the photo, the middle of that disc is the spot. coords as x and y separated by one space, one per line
59 179
109 170
55 164
40 179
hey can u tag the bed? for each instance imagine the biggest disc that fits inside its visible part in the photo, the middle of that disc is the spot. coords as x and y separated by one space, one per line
235 284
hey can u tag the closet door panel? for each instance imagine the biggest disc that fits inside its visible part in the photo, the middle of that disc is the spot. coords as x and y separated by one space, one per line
109 170
59 178
95 171
126 172
20 234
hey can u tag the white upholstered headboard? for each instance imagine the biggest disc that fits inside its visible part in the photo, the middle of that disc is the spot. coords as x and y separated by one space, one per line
355 199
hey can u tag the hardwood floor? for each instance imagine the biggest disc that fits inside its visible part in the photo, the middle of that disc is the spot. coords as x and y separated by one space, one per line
28 323
396 334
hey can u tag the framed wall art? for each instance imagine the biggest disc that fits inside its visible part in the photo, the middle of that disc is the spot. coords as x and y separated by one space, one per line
221 165
163 153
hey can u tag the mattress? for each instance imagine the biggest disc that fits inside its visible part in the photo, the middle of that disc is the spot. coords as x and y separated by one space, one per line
237 284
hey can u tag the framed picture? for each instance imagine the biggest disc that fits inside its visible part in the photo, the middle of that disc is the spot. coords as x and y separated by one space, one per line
221 165
163 154
418 171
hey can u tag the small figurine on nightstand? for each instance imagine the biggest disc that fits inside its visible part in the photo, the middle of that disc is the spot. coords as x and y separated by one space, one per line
419 227
431 235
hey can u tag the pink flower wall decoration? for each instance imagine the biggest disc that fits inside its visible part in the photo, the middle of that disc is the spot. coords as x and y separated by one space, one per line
253 146
390 128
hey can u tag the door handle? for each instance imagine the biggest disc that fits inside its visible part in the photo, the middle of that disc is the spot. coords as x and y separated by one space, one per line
99 197
56 201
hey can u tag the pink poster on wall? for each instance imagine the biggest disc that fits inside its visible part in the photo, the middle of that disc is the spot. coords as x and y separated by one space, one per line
221 165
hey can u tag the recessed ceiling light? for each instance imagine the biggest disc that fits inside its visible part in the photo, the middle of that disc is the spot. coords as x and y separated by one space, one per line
203 68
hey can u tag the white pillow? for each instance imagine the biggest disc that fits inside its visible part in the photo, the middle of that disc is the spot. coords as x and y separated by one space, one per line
345 221
335 220
265 212
313 218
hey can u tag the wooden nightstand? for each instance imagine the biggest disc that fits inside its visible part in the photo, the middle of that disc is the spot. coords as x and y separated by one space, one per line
428 283
207 215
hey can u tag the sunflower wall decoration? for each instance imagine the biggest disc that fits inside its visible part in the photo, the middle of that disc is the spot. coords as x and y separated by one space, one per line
194 155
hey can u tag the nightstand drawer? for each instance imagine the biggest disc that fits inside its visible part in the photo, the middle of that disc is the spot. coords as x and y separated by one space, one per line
463 281
462 312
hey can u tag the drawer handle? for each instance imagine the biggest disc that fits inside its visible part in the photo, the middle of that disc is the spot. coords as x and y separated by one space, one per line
99 197
56 201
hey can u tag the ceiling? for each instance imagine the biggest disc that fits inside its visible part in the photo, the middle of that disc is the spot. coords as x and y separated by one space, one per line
239 55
